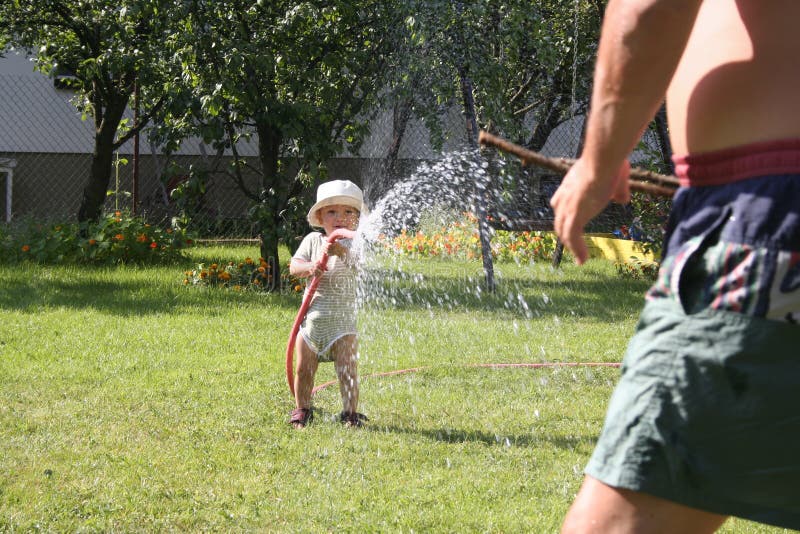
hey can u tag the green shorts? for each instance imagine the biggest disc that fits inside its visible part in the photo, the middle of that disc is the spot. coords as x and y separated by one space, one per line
707 414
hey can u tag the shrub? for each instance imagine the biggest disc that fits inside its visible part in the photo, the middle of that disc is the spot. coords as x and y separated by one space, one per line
116 238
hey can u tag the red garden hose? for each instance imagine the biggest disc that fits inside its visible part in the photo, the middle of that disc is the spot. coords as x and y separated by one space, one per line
491 365
341 233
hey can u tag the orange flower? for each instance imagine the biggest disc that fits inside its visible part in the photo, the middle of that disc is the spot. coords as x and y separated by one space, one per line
153 244
25 248
117 214
93 242
141 238
119 237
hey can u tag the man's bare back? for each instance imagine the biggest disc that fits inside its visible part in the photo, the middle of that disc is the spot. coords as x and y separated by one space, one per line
737 81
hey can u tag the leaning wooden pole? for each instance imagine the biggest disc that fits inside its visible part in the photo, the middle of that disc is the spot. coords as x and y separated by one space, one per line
641 180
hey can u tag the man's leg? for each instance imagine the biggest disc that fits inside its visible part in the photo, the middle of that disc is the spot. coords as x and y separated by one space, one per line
599 508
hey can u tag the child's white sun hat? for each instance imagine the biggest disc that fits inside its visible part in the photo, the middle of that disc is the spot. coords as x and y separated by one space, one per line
341 192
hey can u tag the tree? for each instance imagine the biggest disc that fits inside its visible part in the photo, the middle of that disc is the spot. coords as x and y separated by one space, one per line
300 76
530 63
506 65
109 47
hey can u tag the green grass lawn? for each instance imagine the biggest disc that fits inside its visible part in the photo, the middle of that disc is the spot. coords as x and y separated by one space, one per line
129 402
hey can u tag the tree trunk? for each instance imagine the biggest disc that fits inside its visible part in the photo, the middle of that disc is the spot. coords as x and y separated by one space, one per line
481 185
274 196
553 108
94 194
400 118
662 131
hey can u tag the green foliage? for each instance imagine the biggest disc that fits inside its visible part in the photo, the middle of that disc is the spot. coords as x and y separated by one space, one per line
298 74
525 61
650 212
244 275
115 238
188 192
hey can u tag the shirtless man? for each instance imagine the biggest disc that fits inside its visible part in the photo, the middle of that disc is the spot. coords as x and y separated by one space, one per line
703 423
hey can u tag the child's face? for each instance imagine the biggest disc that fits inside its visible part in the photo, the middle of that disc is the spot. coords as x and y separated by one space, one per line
338 216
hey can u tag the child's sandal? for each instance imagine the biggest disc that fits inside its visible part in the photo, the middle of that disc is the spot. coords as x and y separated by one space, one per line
352 419
300 417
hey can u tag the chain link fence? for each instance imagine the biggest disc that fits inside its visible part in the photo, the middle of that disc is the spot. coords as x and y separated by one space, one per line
46 152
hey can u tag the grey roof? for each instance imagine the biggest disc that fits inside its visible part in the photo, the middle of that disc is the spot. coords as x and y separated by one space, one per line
37 117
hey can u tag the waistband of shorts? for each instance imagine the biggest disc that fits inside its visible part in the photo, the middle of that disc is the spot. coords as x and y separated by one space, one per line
737 163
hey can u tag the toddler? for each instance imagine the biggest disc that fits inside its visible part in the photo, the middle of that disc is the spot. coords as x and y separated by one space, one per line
328 332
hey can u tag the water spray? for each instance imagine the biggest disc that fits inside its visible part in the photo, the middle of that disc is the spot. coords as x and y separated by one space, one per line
640 179
341 233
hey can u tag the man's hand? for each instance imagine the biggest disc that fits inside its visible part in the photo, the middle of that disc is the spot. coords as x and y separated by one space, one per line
579 198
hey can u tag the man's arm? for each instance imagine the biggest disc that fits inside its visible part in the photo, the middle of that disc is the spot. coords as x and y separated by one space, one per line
640 46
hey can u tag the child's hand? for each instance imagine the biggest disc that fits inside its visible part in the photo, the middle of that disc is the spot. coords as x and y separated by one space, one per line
337 249
316 270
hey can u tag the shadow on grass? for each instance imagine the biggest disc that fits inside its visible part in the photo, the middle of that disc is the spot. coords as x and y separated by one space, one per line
122 294
469 381
445 287
455 436
591 294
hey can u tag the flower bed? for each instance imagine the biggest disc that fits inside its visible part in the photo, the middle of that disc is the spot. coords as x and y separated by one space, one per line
246 275
461 240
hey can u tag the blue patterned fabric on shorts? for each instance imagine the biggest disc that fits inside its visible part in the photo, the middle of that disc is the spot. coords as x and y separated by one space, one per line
735 248
706 409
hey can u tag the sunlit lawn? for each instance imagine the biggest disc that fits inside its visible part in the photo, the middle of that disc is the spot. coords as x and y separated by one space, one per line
132 403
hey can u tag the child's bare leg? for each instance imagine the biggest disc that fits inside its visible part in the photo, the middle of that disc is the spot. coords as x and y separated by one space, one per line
345 354
306 369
